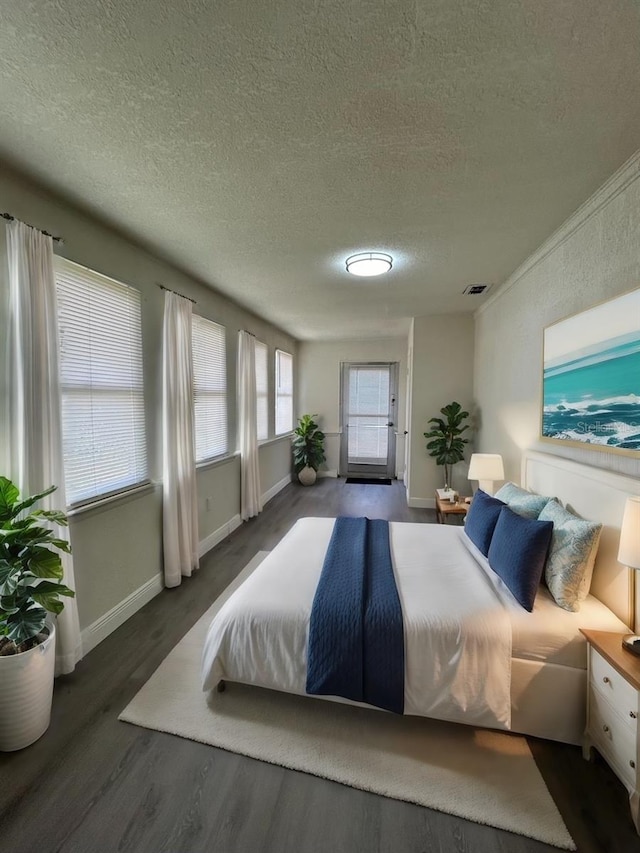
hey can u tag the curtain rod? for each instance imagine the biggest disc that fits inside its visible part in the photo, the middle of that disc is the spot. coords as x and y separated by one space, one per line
247 332
162 287
11 218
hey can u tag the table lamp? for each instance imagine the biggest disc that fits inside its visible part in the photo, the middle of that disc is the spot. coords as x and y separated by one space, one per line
629 554
486 468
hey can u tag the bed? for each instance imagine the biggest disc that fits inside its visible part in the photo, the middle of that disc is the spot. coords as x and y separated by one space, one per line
473 654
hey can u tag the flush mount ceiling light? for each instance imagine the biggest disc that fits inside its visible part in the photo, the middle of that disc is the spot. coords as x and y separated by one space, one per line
369 263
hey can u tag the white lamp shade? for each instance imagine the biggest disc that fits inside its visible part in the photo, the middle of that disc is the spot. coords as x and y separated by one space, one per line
629 552
486 466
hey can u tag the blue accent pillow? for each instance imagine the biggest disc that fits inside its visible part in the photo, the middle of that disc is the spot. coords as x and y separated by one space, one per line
521 501
481 519
518 552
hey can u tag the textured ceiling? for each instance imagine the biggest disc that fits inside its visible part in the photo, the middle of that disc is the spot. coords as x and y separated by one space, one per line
257 144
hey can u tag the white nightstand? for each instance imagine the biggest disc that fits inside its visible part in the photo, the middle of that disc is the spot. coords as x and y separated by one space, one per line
612 710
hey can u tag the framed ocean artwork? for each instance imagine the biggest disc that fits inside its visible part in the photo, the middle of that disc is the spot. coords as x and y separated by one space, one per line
591 377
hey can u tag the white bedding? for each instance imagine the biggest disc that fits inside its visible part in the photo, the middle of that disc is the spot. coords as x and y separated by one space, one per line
552 635
457 622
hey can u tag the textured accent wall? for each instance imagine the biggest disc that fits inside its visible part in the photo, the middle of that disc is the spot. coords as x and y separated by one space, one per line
593 257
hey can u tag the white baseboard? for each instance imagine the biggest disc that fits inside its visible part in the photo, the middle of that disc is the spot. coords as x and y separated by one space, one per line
330 473
273 491
218 535
112 619
228 527
421 503
107 624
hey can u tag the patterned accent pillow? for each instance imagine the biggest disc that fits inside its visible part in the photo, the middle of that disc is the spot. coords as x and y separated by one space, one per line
521 501
574 545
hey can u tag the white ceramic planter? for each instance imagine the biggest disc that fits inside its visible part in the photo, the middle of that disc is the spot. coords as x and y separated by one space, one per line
307 476
26 693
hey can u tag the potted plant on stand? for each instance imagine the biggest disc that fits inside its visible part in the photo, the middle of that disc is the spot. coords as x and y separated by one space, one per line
308 449
445 444
30 589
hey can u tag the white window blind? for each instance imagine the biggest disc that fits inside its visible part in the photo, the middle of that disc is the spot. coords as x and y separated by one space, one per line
209 388
262 390
103 423
284 392
368 414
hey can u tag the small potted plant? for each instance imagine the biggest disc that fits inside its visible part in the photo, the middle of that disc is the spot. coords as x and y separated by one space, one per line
308 449
30 589
445 444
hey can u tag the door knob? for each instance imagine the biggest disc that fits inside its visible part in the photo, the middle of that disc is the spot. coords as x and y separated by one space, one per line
390 423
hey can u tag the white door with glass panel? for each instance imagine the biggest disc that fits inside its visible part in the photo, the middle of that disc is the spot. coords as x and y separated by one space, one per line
368 443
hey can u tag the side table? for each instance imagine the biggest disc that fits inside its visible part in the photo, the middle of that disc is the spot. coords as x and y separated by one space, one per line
445 508
613 709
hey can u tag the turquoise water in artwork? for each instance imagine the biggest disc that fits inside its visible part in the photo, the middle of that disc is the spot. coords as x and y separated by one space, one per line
595 397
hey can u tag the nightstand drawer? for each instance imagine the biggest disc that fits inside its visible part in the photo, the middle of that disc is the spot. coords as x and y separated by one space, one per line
610 684
613 737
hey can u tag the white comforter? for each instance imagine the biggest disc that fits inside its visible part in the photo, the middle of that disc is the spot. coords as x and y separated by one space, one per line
456 624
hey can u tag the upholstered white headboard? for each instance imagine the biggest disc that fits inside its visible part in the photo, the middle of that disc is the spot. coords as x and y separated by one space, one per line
597 495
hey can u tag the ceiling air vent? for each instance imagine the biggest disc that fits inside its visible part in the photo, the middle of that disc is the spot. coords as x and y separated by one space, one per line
476 289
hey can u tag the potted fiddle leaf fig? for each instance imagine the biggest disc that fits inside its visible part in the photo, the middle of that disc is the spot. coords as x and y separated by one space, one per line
445 443
30 591
308 449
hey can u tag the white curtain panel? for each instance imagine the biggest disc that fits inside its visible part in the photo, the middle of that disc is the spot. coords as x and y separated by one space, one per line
180 503
34 446
250 499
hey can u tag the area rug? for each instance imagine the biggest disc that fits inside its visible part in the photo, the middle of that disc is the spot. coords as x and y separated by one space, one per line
483 776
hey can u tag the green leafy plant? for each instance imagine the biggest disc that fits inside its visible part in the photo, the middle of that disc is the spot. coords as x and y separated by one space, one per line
445 444
308 444
30 568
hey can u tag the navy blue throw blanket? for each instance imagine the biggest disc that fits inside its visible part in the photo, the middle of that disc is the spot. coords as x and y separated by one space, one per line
356 632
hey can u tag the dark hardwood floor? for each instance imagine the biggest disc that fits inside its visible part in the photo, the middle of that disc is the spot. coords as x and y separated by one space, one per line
93 783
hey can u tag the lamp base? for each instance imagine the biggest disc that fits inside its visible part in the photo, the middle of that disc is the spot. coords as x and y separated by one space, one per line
486 486
631 643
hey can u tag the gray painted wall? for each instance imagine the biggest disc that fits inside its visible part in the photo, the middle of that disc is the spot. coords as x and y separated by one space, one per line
319 386
441 372
117 547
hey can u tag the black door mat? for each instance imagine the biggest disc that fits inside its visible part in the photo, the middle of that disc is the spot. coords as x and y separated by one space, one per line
368 481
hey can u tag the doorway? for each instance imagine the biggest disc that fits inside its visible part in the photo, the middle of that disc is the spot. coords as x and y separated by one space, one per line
368 418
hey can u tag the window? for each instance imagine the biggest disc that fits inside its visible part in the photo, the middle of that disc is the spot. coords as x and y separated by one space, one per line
103 425
284 392
209 388
262 391
368 414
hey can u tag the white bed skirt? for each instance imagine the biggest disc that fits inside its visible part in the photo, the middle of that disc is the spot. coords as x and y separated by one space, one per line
548 701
